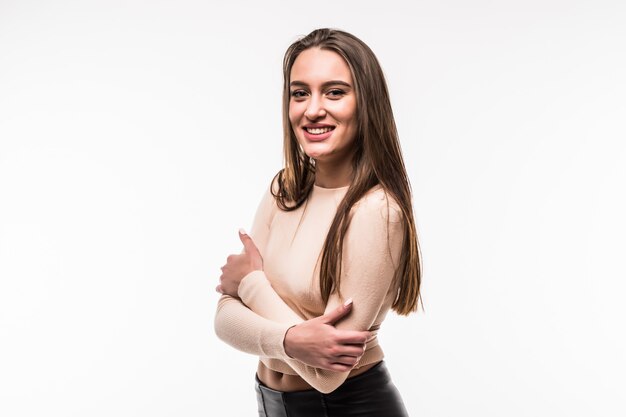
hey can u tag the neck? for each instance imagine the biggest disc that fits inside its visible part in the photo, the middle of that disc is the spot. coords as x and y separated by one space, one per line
332 175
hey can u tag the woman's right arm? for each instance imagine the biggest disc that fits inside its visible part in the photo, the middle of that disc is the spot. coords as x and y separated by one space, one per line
249 332
245 330
316 345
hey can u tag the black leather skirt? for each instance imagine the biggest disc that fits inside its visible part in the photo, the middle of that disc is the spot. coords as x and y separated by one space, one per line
370 394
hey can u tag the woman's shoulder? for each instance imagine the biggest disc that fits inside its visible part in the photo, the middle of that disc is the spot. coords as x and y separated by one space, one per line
378 202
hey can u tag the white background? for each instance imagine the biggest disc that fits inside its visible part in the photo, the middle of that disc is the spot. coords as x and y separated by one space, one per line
136 137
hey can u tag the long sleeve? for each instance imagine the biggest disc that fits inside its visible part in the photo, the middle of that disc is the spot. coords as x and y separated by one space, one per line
245 330
371 254
264 295
242 328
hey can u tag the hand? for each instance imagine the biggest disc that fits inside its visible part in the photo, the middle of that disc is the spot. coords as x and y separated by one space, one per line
238 266
318 343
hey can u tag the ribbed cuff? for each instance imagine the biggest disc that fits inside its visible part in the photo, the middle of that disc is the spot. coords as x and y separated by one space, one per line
251 284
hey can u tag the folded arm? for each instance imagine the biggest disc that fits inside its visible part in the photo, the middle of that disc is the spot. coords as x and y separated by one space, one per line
371 251
247 331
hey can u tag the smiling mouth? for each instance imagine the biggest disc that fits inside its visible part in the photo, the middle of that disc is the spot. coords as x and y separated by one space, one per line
319 130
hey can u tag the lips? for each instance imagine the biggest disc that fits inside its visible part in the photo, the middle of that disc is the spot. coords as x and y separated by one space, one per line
317 128
317 132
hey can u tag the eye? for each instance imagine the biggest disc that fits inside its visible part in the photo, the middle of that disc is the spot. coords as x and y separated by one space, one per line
298 93
336 93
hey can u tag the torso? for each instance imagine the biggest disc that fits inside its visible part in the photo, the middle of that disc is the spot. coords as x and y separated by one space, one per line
291 247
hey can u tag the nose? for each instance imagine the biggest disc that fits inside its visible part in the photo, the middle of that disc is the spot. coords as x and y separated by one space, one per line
315 109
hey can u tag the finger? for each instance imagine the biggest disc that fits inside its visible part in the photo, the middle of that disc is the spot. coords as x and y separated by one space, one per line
347 360
335 315
340 367
351 337
351 350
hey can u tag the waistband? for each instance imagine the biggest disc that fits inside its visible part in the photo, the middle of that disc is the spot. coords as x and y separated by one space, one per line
371 393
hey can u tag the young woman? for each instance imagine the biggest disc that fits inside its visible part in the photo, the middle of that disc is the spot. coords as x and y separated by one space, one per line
333 245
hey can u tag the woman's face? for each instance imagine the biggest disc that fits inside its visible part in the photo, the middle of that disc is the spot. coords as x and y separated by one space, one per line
322 107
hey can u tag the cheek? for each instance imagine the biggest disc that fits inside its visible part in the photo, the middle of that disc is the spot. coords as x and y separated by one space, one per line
349 116
346 112
294 113
295 117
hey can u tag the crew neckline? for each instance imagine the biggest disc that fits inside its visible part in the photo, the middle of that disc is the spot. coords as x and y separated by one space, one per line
317 187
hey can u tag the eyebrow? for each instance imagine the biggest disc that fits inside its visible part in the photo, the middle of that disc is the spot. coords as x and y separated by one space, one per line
326 84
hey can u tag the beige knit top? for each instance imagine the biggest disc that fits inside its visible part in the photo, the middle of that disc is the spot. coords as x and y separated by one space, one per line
287 291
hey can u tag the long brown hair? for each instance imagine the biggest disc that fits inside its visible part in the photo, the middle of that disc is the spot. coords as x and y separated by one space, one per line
377 161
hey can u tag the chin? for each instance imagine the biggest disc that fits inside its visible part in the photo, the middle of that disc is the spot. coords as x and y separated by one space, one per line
315 153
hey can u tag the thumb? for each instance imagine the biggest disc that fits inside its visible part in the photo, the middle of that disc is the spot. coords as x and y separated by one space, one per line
335 315
248 243
250 248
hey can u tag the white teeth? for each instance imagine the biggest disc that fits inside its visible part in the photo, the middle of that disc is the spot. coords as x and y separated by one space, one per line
318 130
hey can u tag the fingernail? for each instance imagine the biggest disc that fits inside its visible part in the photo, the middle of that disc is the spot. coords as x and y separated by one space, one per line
243 232
348 302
